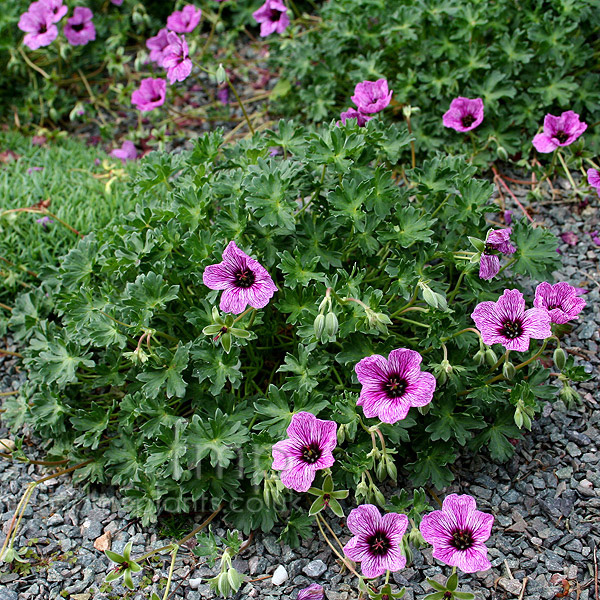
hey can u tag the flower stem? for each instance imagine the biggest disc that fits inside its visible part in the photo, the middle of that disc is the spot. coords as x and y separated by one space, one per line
499 179
567 172
340 556
239 101
244 313
171 569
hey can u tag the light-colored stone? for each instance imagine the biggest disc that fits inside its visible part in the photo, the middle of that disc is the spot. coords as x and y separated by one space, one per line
279 576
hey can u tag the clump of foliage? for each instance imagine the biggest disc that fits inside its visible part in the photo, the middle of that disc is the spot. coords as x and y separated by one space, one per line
84 195
132 364
521 58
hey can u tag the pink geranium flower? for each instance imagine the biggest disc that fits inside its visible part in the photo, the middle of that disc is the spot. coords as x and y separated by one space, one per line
391 387
593 176
464 114
377 541
150 95
117 2
352 113
56 7
79 29
312 592
185 20
126 152
157 46
176 58
243 281
498 240
507 322
372 96
308 449
272 16
458 533
38 25
559 131
560 300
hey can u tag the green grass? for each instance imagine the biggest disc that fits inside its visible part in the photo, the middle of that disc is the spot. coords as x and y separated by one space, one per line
80 196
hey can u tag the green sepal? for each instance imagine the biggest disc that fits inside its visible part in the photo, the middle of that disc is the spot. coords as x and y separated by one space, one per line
452 582
341 494
435 585
212 329
113 575
114 557
127 580
226 342
317 506
336 507
328 485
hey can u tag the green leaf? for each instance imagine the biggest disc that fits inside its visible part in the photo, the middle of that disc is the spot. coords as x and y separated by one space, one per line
218 438
165 457
218 368
304 378
169 378
536 254
298 270
411 228
298 526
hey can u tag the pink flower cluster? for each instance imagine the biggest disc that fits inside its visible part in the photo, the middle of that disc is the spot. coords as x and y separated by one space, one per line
509 323
272 17
466 114
39 24
370 97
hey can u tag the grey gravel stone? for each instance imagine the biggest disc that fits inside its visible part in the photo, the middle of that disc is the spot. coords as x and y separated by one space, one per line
315 568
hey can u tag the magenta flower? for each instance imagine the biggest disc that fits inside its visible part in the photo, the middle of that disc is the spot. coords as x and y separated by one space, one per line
56 7
176 58
390 387
464 114
498 240
458 533
372 96
150 95
79 29
593 176
44 221
507 322
184 21
508 216
157 46
377 541
560 300
117 2
308 449
243 279
352 113
312 592
126 152
38 25
559 131
272 16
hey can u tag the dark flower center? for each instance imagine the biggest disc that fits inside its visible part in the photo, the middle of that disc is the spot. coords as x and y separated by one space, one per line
274 14
561 136
395 386
311 453
78 27
379 543
244 278
489 249
511 329
43 28
467 120
155 98
462 539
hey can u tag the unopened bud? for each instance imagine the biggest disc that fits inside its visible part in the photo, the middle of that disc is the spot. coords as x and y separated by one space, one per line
341 434
319 326
407 550
502 153
560 358
379 497
479 357
508 370
392 470
220 75
331 324
430 296
490 357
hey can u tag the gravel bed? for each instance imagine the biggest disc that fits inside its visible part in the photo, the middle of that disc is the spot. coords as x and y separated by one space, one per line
546 499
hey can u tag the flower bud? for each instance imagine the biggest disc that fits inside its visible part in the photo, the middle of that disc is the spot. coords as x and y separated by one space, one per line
478 244
560 358
479 357
319 326
378 496
331 324
380 470
429 296
508 370
220 75
341 434
568 395
416 538
502 153
392 470
362 490
490 357
407 550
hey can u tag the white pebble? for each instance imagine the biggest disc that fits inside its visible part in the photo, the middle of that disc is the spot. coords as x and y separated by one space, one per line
279 576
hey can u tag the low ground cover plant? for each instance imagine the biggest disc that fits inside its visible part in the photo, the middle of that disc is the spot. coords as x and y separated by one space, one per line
248 287
52 191
516 57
